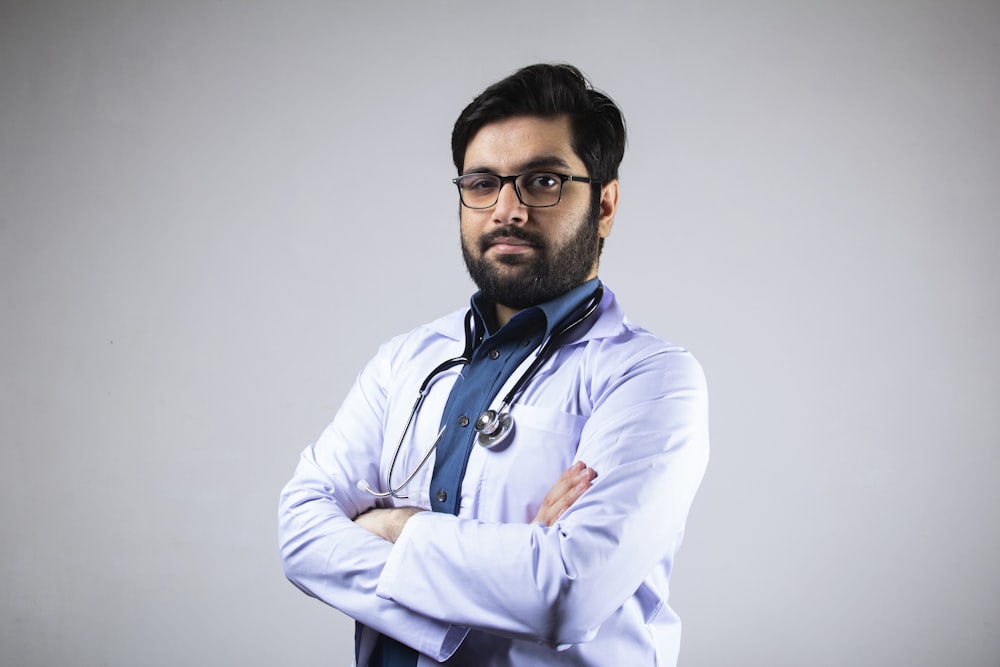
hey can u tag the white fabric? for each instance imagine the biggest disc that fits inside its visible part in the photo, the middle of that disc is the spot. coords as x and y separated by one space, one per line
487 587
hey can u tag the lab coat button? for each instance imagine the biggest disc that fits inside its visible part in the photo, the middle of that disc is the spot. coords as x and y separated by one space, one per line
442 495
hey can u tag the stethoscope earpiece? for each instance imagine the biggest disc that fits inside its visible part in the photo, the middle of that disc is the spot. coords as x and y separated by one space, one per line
492 428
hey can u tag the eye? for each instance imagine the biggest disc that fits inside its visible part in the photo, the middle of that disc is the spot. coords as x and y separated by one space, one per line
541 181
479 182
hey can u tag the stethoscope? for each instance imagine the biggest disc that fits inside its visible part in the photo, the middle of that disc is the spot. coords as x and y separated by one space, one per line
492 426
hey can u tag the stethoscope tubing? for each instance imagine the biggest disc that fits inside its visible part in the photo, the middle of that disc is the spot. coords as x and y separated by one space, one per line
492 426
462 360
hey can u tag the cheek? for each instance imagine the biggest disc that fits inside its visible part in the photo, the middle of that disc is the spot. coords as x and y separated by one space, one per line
469 234
464 226
571 222
471 223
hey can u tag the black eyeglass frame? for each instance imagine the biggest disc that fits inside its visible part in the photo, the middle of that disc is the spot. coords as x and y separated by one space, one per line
563 178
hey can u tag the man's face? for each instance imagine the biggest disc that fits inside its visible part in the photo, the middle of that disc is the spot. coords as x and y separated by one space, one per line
521 256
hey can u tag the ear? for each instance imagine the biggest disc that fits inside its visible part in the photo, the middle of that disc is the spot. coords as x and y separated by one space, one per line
609 204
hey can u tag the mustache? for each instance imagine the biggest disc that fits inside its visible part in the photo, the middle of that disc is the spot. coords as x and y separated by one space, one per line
510 232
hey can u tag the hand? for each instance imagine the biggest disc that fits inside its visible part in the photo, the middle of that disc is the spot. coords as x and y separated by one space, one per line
570 486
388 522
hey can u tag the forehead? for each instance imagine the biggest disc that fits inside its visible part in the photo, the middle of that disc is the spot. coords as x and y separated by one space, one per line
522 142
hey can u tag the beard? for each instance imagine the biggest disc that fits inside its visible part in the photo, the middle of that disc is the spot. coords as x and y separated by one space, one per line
551 273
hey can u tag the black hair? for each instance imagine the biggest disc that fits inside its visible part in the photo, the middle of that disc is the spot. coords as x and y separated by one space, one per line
548 91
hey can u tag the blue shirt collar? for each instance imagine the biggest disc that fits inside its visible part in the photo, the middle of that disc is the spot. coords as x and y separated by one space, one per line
552 312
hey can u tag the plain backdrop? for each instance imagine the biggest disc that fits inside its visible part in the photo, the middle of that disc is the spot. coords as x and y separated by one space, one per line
211 213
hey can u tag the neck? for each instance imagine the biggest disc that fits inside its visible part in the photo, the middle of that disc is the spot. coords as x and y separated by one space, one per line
504 313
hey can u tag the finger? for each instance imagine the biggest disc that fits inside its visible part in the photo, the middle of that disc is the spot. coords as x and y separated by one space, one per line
567 491
551 512
572 494
565 482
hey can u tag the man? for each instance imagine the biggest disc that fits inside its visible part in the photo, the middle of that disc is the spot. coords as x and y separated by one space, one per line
553 542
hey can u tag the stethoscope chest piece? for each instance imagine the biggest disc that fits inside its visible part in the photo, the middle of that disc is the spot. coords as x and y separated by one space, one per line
492 428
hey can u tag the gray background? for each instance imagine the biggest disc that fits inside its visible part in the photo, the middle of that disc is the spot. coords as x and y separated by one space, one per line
197 254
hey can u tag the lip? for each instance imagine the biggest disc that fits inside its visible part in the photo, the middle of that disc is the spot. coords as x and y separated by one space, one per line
507 244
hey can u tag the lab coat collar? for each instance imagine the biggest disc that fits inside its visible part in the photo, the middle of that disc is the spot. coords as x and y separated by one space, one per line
609 322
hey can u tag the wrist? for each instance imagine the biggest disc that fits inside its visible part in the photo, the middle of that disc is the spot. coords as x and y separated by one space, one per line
397 521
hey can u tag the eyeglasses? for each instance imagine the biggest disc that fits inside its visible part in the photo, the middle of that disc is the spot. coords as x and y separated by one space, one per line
536 189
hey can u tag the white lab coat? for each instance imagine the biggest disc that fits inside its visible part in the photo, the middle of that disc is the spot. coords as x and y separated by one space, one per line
488 587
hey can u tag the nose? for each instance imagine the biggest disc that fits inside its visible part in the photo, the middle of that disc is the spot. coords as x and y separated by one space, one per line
509 209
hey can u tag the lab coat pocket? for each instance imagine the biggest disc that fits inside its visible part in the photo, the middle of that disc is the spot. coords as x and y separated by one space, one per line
542 446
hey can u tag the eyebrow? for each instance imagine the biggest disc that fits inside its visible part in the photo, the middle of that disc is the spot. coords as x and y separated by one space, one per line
541 162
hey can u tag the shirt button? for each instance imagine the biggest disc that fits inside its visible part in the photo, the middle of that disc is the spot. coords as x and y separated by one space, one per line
463 421
526 342
494 354
442 495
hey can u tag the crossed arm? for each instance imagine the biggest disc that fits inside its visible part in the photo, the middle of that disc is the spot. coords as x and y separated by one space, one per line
388 523
413 583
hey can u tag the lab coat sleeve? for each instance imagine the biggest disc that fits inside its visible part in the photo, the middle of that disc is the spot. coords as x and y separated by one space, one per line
323 552
648 439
